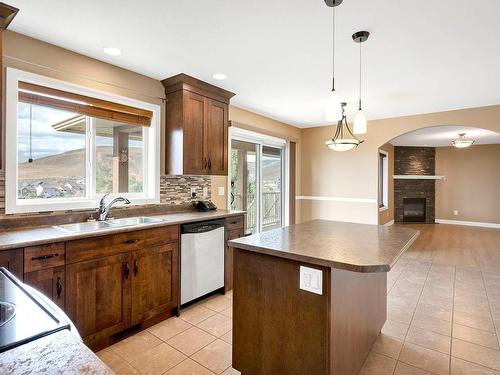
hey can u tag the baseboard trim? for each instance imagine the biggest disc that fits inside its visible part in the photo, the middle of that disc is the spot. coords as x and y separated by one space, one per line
468 223
389 223
335 199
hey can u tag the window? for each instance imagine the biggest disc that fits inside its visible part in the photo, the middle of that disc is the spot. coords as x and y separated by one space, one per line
383 181
67 146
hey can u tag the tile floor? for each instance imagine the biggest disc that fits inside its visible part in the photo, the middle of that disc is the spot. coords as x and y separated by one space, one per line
443 318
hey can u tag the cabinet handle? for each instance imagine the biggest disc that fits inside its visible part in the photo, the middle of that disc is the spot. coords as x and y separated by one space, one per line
126 270
131 241
205 163
43 257
136 267
58 287
209 163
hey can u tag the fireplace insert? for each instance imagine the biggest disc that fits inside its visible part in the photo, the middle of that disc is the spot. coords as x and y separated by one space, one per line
414 210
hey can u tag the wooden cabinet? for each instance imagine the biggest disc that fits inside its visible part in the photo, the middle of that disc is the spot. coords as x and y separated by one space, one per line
196 127
155 286
51 282
12 260
234 229
98 295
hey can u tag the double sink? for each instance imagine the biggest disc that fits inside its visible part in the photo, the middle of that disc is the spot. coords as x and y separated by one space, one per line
91 226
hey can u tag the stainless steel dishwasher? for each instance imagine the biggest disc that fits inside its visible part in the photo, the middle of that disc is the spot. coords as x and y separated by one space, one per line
202 259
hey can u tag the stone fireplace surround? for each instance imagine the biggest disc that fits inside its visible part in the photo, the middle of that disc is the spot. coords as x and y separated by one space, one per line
414 161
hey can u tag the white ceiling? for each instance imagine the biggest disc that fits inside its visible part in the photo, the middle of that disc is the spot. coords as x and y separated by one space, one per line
422 56
439 136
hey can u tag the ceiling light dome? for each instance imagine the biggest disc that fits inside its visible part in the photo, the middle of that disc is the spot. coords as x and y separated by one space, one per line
344 139
461 142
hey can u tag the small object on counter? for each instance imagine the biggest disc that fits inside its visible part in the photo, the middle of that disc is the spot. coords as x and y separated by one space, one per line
205 206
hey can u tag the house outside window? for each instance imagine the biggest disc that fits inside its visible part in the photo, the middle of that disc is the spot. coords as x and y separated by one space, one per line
67 146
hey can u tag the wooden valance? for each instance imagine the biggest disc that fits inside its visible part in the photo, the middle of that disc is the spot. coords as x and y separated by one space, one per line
84 105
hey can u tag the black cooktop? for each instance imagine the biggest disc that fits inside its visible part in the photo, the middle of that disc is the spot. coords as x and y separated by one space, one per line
23 317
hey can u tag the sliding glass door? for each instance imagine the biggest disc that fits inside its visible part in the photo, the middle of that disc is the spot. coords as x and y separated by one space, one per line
257 176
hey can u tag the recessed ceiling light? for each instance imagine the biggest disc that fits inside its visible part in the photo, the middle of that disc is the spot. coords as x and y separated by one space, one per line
219 76
112 51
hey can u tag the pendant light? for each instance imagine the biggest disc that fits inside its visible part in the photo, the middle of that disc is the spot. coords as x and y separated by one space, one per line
333 110
360 125
344 139
461 142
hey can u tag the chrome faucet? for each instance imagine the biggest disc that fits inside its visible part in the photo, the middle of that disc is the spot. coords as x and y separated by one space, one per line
102 212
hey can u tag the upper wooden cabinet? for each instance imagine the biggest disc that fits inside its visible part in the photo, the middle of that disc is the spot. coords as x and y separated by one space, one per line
196 127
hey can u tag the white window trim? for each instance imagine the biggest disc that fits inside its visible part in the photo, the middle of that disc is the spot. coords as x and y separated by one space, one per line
151 195
264 140
385 202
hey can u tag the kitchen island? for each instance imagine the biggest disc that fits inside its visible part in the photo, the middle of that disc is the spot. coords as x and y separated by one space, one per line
311 298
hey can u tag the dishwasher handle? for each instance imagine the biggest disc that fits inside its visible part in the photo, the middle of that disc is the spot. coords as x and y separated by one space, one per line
203 227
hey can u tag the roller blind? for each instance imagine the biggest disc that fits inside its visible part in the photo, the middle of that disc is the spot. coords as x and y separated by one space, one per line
84 105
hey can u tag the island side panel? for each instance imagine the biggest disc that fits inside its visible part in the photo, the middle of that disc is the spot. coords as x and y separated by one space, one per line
277 327
359 311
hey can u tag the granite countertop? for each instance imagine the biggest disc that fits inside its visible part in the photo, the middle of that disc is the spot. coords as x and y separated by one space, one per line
58 353
41 235
349 246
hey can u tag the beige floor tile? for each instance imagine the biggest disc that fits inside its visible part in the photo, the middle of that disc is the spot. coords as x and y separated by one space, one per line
136 344
442 313
169 328
400 315
228 337
474 321
378 364
436 301
475 353
387 345
479 310
216 356
189 367
217 303
216 325
395 329
431 323
191 340
475 336
196 314
426 359
231 371
116 363
429 340
461 367
228 312
157 360
404 369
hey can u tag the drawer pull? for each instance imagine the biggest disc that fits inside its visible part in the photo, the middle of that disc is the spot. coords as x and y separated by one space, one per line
131 241
59 287
43 257
126 269
136 267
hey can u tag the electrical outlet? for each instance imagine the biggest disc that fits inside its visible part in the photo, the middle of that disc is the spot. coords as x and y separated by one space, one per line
455 212
311 280
193 192
205 192
221 191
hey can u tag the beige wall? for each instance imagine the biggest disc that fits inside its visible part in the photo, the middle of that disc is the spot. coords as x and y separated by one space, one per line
472 183
353 174
387 215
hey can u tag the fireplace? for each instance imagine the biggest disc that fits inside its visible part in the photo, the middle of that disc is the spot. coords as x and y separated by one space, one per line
414 210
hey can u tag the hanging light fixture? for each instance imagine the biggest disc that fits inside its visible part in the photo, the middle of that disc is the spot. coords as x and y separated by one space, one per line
461 142
344 139
360 125
333 110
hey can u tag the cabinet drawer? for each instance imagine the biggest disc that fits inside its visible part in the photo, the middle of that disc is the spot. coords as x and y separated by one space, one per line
44 256
235 222
98 247
235 233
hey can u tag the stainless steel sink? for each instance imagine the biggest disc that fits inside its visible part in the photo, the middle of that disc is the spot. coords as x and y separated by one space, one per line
88 226
133 221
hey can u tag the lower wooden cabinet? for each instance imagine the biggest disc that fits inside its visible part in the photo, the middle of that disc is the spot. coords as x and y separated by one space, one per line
155 285
234 229
98 295
12 260
51 282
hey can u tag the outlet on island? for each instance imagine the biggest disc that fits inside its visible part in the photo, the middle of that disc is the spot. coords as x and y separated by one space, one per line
193 192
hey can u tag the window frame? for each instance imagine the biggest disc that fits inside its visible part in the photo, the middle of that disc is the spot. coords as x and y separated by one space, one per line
383 174
151 159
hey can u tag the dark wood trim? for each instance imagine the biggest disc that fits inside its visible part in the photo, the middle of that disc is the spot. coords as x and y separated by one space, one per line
292 175
185 82
7 14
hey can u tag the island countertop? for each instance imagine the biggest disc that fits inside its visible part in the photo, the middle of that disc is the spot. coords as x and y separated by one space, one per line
350 246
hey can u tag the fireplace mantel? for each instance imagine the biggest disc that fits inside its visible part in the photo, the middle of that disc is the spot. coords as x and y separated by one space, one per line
417 177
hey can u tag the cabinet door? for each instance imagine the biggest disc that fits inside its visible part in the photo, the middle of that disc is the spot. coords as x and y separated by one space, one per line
155 281
194 155
51 282
217 129
13 261
228 259
98 295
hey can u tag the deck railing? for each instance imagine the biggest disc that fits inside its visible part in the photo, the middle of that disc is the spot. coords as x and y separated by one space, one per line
271 208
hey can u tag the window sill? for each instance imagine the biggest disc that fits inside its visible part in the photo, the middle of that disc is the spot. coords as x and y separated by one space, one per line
383 208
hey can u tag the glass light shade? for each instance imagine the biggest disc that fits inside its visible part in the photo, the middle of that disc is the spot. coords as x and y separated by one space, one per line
360 125
333 110
461 142
341 145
